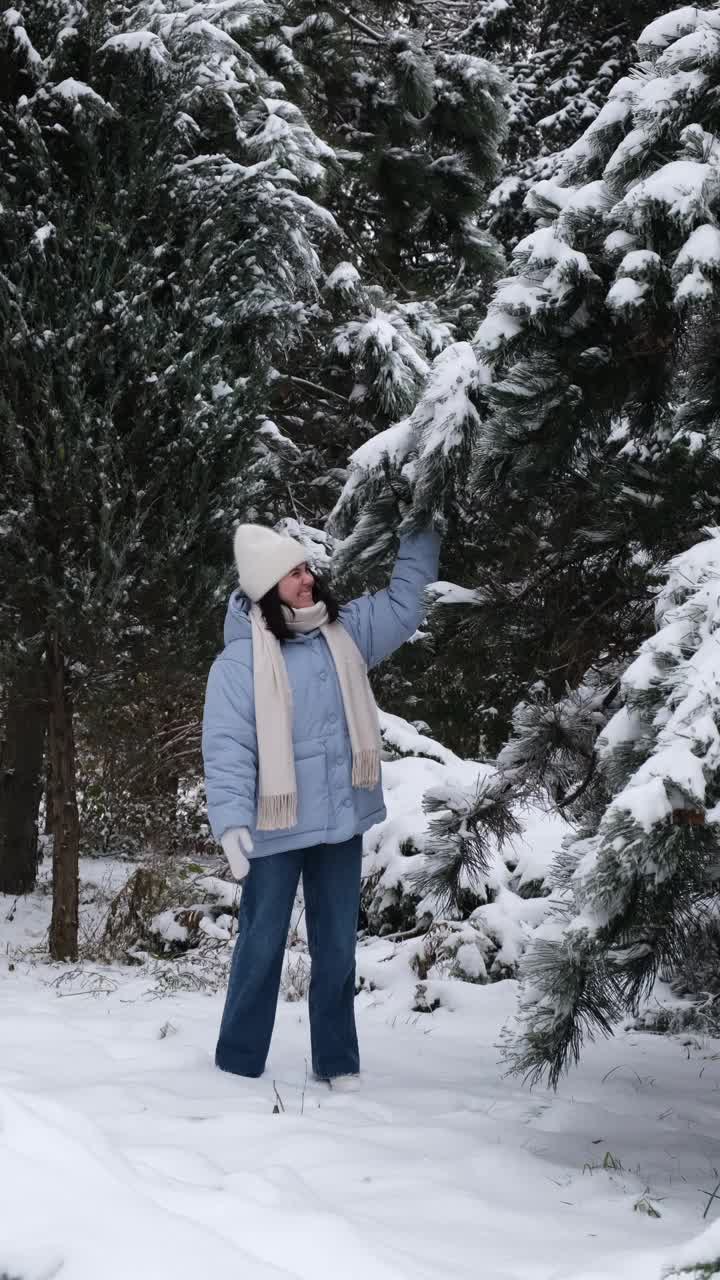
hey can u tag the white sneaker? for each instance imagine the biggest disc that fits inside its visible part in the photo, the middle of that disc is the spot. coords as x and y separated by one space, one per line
344 1084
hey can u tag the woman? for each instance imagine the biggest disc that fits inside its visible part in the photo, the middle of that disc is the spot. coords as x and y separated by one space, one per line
291 744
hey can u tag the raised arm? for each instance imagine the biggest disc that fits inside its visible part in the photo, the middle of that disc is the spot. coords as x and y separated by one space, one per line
381 622
229 745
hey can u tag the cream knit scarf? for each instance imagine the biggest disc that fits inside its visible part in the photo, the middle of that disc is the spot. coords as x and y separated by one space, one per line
277 798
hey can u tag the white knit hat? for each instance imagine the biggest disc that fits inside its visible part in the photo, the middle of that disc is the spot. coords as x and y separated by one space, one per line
263 557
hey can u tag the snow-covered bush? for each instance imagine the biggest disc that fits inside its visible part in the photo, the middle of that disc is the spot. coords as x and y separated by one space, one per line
162 910
453 915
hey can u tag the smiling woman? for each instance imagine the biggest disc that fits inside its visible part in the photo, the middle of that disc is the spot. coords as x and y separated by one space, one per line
300 589
296 588
291 743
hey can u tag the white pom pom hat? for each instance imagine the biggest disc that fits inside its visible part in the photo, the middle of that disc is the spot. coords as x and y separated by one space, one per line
263 557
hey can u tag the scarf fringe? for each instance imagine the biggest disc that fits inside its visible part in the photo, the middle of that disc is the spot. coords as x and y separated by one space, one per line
366 768
277 812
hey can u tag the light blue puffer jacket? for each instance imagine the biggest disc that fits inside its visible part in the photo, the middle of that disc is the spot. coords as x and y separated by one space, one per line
330 809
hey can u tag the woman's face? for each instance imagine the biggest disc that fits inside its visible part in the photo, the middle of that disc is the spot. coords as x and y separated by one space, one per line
296 588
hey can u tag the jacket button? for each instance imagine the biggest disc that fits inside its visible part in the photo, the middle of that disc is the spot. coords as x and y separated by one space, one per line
347 802
332 718
323 675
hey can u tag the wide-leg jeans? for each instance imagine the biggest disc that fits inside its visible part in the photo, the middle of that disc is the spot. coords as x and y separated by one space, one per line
331 886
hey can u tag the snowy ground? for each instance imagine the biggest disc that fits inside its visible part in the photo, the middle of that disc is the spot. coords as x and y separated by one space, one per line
124 1153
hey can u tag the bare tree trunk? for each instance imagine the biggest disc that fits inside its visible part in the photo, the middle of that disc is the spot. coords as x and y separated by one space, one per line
48 820
62 803
22 746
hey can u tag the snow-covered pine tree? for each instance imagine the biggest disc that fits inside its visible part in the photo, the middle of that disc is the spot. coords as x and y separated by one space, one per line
415 128
588 467
611 458
560 62
159 240
591 387
458 885
632 889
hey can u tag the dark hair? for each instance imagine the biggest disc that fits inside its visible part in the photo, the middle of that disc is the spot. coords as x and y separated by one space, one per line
272 607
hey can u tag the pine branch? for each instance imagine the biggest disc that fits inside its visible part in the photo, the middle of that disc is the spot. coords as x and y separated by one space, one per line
583 786
313 386
357 22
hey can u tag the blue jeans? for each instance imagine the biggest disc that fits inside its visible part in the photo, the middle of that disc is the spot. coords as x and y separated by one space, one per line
331 886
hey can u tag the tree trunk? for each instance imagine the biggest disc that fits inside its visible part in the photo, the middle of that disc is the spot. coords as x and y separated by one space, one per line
48 823
21 774
62 803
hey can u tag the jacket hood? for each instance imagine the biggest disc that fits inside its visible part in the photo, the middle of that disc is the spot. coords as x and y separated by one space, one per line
237 618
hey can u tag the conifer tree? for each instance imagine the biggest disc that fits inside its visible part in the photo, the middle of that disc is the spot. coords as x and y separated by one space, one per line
159 241
416 128
591 475
560 62
631 888
415 123
592 431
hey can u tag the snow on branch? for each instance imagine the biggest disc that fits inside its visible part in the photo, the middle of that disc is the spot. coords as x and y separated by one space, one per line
400 478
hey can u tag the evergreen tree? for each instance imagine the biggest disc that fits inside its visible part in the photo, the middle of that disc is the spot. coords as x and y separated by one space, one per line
560 62
632 887
590 468
415 130
593 434
159 241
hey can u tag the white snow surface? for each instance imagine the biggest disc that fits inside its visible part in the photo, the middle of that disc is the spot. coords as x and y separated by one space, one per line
13 19
618 241
640 262
548 191
498 325
392 443
687 571
699 46
43 234
614 112
124 1152
694 287
546 267
445 408
403 736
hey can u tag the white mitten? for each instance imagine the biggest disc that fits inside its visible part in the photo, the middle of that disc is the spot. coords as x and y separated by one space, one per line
236 843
